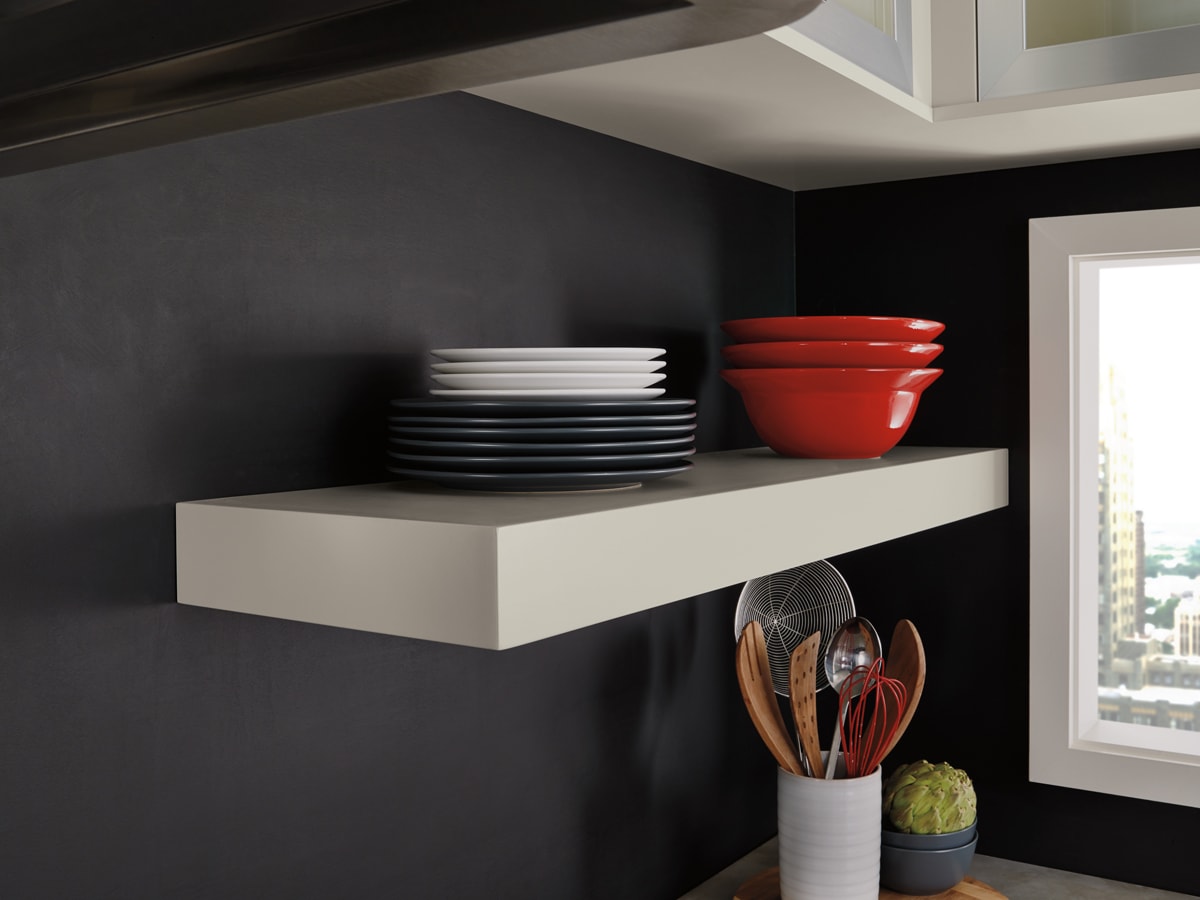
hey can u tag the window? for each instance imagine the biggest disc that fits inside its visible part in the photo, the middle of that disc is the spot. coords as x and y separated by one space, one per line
1101 713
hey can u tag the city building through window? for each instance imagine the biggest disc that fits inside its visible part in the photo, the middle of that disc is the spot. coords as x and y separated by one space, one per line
1148 317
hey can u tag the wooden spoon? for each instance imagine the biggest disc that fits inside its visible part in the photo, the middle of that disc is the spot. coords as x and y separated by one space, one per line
906 662
802 687
758 693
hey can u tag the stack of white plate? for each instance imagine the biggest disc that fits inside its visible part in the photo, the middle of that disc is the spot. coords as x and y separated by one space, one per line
543 419
549 373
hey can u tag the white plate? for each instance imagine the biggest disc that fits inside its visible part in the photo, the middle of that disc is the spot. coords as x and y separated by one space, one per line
549 365
492 354
555 380
549 394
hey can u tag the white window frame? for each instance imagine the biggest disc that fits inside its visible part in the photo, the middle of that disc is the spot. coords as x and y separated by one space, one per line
1068 743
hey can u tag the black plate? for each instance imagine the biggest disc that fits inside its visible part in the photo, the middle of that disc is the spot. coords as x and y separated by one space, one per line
574 435
539 463
540 481
508 408
543 421
530 448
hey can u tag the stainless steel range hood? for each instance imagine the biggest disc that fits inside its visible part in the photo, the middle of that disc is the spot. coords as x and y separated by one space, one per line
87 78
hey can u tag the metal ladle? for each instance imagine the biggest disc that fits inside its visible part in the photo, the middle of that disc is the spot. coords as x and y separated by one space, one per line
855 643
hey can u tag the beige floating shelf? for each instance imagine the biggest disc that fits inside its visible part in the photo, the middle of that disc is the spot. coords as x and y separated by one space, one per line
500 570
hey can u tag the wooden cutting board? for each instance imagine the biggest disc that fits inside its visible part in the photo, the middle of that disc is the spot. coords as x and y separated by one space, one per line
765 886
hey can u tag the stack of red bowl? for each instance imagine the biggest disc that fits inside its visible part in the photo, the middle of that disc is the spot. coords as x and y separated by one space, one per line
831 387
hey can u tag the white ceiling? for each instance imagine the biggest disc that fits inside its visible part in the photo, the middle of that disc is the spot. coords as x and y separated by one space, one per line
762 109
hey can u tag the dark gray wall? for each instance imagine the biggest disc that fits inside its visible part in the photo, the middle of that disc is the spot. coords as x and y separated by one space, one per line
230 316
956 249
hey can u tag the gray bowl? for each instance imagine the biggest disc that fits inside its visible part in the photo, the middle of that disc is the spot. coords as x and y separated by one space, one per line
922 872
947 841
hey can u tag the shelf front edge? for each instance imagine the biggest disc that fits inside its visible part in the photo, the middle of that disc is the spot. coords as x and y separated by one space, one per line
559 575
428 580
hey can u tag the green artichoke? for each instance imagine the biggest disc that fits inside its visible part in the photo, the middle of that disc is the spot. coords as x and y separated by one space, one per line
923 798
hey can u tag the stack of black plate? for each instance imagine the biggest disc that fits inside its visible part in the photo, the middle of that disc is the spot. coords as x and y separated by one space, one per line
540 445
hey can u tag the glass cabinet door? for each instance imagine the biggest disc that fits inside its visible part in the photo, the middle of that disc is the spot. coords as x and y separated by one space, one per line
1050 22
880 14
1033 46
875 35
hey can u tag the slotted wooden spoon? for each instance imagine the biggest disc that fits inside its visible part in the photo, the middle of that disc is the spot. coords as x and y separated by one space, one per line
905 662
802 691
758 693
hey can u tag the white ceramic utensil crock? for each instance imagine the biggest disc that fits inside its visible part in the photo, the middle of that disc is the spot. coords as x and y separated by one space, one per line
829 837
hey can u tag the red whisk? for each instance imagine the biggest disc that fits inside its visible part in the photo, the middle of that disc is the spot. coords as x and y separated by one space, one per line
865 737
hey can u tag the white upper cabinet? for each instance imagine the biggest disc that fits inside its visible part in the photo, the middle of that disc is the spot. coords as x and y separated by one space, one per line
953 57
861 91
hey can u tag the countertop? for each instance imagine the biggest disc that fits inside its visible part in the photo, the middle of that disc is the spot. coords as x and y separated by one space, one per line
1018 881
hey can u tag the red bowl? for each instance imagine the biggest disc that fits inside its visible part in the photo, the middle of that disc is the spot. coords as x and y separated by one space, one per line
842 354
831 413
832 328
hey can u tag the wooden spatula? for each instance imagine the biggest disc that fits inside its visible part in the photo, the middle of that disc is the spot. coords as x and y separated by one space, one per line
906 662
758 693
802 688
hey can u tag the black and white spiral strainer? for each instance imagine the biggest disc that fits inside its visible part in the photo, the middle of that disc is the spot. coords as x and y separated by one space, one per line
791 605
